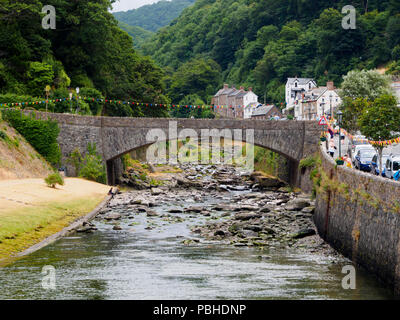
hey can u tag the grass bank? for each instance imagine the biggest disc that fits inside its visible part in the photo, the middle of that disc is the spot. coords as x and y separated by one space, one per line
32 219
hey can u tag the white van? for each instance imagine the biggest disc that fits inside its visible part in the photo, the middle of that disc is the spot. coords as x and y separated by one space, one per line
392 165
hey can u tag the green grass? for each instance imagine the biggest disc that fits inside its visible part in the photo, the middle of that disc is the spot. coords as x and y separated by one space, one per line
23 227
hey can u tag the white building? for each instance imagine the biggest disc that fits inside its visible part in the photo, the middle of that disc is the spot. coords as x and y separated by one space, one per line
317 102
295 87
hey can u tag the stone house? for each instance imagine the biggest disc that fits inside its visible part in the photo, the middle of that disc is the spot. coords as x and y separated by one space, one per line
231 102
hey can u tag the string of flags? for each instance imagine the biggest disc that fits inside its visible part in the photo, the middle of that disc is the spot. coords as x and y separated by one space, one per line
24 104
376 143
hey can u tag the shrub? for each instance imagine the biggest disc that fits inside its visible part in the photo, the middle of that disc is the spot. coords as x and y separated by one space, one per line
41 134
308 162
92 167
53 179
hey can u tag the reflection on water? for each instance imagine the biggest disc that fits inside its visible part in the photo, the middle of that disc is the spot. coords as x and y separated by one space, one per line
136 263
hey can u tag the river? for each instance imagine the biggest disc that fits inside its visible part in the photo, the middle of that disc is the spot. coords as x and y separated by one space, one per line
155 255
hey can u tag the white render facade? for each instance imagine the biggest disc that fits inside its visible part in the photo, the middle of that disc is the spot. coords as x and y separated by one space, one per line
294 89
319 101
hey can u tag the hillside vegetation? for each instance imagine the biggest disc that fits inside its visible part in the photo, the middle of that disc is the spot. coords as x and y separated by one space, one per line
18 160
152 17
138 34
262 43
87 50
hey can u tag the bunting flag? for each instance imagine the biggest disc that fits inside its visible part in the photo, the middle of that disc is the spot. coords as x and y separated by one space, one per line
89 99
350 136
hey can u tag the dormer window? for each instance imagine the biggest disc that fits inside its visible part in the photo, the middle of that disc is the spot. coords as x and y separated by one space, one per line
295 84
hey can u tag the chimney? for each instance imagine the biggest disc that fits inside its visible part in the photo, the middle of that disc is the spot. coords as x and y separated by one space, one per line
250 88
226 86
330 85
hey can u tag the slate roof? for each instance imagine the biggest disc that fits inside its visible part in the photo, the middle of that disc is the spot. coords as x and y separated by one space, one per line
263 110
302 81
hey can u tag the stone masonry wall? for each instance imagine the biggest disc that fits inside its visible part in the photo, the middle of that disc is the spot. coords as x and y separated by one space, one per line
116 136
364 225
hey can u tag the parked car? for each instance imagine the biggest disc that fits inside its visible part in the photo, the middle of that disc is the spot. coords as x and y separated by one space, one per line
375 165
363 159
352 146
359 147
392 165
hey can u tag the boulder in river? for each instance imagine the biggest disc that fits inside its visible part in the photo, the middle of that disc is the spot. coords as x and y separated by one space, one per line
303 233
247 215
266 181
156 191
151 213
112 216
297 204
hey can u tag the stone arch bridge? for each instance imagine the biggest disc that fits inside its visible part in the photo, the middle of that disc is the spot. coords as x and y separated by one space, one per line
115 136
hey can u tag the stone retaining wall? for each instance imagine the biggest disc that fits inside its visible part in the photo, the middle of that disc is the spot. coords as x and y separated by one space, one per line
364 225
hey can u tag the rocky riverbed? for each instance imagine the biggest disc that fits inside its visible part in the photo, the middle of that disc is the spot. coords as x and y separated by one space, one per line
249 210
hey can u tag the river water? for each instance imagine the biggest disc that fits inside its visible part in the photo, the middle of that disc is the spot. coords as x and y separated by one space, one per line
138 263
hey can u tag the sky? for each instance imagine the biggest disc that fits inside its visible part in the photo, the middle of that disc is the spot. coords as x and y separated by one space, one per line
124 5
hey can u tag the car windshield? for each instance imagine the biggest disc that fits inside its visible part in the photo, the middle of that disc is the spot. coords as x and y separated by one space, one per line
367 154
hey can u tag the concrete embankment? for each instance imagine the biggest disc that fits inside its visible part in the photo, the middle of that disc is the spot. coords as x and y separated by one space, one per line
33 215
359 215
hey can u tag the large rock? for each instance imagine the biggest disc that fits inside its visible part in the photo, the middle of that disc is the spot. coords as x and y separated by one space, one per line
247 216
266 181
297 204
303 233
112 216
156 191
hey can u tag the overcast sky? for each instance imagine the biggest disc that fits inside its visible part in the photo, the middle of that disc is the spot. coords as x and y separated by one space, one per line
124 5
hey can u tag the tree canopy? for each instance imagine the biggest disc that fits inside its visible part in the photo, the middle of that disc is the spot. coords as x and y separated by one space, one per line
262 43
154 16
87 49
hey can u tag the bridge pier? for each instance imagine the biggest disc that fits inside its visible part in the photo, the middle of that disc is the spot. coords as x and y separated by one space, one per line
114 169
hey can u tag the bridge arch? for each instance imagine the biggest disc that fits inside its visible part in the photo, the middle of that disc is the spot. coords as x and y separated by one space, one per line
116 136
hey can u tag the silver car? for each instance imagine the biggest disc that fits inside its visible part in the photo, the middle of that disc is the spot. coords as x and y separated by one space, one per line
358 148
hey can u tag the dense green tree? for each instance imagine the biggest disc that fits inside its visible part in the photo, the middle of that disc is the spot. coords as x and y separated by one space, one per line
262 42
87 49
380 121
198 76
368 84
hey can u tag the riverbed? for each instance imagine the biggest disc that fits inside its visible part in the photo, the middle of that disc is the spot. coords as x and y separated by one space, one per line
174 243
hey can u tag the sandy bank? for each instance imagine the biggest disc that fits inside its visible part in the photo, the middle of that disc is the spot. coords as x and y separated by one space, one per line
31 212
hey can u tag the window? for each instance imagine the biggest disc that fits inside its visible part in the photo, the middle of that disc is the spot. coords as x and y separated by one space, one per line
396 166
295 84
